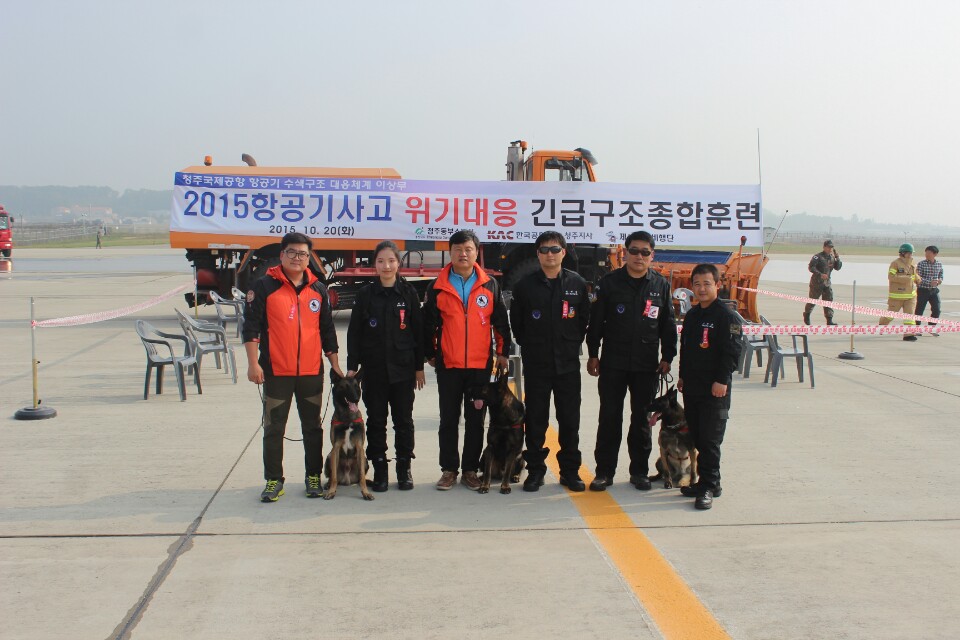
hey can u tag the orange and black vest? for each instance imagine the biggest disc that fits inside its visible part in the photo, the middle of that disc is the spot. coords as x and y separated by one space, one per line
461 334
294 328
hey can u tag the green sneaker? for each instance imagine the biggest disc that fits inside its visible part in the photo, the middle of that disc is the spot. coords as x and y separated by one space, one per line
313 487
272 492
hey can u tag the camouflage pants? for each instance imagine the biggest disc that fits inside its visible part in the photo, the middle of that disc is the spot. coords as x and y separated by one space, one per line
820 290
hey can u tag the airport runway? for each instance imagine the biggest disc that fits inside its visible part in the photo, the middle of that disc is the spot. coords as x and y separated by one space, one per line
130 518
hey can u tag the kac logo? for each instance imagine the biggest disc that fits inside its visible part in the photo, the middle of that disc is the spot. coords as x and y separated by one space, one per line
482 301
499 234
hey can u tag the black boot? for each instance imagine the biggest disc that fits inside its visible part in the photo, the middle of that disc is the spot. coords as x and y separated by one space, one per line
404 477
806 317
380 475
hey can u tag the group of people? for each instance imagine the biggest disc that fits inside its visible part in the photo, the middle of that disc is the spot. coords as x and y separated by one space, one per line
911 285
463 330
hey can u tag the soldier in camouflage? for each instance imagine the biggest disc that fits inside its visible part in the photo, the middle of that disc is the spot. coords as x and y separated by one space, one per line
821 266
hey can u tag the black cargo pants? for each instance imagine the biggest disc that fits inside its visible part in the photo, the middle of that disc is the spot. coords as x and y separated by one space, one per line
379 396
278 392
613 386
566 403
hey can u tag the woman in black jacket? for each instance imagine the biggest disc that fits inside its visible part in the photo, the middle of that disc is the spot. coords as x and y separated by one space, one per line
385 339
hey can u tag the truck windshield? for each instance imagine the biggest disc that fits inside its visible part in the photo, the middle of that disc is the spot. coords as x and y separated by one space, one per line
556 170
3 223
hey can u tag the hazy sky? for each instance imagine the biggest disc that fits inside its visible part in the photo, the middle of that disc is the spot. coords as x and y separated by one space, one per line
857 102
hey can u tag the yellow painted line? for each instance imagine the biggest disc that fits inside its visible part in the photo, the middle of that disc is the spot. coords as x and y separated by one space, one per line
672 605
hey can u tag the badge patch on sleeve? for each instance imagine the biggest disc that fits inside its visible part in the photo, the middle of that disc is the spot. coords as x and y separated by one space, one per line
315 305
735 329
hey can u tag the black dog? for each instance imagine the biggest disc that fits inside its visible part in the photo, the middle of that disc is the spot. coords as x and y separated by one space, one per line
677 464
347 462
502 457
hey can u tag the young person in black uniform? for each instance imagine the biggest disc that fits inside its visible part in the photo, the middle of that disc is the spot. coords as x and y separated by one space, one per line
385 337
633 318
548 317
709 352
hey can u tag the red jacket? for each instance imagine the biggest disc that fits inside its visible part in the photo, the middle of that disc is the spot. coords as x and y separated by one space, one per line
294 329
459 335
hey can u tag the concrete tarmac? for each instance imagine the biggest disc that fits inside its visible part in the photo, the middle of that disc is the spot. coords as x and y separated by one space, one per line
130 518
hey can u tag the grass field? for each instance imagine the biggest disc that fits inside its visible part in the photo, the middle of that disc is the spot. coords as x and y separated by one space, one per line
110 241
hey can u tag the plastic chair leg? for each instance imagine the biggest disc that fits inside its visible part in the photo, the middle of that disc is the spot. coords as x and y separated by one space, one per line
160 379
233 365
810 362
800 368
181 385
146 382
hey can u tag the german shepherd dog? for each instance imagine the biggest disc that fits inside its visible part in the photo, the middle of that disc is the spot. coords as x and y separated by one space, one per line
677 464
502 458
347 461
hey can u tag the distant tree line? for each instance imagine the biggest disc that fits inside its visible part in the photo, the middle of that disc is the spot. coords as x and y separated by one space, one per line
41 202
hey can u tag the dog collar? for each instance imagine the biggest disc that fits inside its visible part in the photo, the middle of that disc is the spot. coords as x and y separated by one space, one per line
679 424
337 423
517 426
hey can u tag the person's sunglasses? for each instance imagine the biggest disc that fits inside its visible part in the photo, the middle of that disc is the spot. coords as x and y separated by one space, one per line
644 252
551 249
296 255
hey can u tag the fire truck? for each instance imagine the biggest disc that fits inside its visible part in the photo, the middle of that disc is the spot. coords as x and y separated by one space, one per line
222 261
6 234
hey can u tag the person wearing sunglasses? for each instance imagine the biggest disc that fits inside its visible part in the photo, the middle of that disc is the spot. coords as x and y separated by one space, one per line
288 323
549 316
633 320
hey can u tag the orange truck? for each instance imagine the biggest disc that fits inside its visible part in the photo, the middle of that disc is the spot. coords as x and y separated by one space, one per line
222 261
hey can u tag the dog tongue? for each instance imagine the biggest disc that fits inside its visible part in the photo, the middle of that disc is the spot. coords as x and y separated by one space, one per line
352 406
478 404
653 418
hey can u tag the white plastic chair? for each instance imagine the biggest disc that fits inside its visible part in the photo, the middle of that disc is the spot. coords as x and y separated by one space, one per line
206 337
152 338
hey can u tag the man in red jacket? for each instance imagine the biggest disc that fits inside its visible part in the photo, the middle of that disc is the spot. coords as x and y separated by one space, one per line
464 324
289 320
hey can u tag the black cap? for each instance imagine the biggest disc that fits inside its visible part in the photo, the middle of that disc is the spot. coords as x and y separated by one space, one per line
933 248
828 243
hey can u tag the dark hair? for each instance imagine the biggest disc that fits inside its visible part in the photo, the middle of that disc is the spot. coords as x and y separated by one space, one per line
642 236
933 249
547 236
295 238
387 244
463 236
702 269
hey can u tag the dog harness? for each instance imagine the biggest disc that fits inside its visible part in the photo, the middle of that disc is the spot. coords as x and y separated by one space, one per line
685 429
340 423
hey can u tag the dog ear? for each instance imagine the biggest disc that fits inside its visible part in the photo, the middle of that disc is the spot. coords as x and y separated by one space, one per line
359 375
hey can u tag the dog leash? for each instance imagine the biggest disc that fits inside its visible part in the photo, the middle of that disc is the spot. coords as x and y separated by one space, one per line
263 414
666 379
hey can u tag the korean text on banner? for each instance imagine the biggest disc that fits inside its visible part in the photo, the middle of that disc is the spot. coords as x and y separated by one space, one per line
591 212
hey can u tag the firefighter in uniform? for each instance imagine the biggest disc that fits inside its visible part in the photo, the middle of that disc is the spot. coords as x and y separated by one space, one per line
633 319
710 345
289 321
385 337
820 267
548 316
464 324
902 277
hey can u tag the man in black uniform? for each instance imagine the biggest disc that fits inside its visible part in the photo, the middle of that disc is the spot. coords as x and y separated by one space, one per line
709 352
821 265
633 318
548 317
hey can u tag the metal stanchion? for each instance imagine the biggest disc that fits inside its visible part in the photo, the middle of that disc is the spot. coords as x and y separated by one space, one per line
853 354
36 412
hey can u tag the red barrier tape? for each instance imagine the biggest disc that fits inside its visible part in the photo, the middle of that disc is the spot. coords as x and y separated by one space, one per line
870 311
90 318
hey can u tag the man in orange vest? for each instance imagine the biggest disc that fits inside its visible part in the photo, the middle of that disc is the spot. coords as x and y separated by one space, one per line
464 325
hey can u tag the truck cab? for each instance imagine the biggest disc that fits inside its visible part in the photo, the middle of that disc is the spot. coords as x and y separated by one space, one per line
6 234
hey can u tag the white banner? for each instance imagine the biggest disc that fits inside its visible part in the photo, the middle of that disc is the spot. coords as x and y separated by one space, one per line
589 212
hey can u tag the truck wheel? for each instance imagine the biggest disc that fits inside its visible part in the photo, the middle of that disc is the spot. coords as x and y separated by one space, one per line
261 269
520 270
